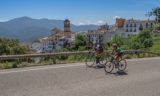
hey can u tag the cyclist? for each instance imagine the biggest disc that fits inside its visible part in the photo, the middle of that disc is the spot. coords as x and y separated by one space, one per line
99 51
117 53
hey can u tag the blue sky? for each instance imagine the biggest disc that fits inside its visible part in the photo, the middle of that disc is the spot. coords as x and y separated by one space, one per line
78 11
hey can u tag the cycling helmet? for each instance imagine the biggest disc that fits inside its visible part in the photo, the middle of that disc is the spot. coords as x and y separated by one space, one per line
98 45
114 45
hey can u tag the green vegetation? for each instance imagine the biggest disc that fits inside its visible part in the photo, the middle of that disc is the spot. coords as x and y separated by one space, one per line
80 43
12 46
156 39
117 39
157 26
156 46
155 12
7 65
144 40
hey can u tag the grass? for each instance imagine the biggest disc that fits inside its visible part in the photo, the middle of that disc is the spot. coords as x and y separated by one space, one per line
8 65
156 46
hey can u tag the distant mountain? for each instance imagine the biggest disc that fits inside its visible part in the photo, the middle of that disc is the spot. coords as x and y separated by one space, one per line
27 29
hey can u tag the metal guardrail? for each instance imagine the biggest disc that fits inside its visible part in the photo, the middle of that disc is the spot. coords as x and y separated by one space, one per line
11 57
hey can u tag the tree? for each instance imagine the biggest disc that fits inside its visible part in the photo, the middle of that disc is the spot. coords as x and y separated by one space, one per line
135 45
80 41
145 38
12 46
142 40
155 12
118 40
157 26
133 42
148 43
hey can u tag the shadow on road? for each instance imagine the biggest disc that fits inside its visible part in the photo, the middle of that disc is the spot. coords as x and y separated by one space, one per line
120 73
96 67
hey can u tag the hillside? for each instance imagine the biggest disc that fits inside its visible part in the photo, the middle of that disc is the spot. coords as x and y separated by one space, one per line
27 29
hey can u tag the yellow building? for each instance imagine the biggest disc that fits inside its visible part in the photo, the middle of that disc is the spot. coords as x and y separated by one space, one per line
120 22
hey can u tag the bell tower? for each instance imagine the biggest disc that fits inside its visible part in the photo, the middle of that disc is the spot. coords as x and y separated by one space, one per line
67 26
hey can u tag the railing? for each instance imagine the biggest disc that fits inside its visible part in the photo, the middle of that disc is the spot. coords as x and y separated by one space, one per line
11 57
14 61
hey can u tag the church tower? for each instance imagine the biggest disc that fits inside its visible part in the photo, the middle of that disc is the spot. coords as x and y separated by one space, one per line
67 26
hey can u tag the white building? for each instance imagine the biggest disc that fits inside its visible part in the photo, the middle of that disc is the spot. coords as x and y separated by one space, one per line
96 36
58 39
132 27
46 44
126 28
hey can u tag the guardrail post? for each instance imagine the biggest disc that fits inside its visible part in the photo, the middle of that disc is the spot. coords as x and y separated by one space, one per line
54 60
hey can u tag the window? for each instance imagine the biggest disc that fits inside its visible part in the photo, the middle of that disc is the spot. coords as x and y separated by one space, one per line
126 25
146 25
151 25
135 30
135 25
130 25
126 30
130 30
141 27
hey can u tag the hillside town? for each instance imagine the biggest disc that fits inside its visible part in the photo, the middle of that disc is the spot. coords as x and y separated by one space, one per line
59 38
80 48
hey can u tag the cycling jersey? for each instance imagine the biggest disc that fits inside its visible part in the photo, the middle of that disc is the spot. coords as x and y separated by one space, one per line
118 51
99 51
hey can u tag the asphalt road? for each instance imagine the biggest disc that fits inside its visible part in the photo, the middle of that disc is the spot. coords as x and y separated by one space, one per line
141 79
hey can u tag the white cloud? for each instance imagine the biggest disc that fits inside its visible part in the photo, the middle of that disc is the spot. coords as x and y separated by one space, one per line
117 17
81 23
88 22
100 22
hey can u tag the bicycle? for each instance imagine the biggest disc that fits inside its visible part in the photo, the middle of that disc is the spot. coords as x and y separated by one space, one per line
121 65
91 59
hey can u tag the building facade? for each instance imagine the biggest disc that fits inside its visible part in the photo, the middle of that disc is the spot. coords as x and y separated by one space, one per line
132 27
58 39
96 36
126 28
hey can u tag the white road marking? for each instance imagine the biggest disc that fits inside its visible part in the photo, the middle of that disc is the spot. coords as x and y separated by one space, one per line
64 66
42 68
143 59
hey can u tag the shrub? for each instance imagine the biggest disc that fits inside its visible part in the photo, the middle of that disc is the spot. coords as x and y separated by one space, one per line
7 65
12 46
118 40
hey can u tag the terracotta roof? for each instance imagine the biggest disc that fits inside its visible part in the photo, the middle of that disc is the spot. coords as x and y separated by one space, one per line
56 30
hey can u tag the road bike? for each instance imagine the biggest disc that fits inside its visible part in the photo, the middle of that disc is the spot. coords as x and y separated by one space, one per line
93 61
121 65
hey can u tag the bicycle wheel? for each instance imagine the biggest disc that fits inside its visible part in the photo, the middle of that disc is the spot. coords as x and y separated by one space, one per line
109 66
90 60
102 60
122 65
